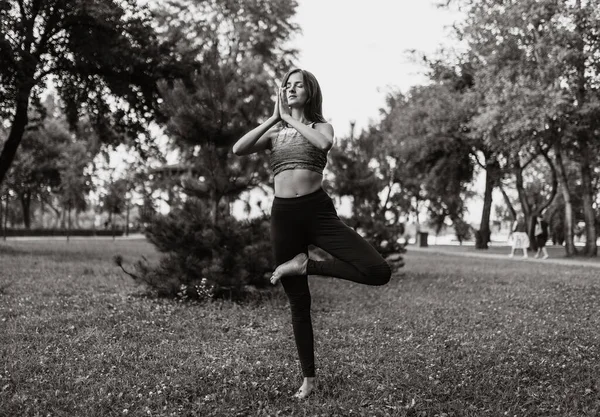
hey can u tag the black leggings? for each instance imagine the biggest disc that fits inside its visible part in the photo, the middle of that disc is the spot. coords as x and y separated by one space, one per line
312 219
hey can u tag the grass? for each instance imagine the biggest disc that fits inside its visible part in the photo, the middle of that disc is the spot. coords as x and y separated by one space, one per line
449 336
501 248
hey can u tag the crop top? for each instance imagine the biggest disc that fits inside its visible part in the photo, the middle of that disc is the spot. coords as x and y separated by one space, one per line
291 150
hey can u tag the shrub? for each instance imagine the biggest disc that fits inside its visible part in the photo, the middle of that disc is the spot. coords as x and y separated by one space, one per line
203 259
383 235
462 230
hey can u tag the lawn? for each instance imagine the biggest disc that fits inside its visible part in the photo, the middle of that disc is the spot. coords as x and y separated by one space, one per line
449 336
501 248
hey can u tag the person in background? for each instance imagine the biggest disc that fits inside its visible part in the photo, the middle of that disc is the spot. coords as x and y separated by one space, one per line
520 239
541 236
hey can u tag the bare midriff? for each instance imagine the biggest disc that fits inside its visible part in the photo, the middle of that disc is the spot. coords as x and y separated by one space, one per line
296 182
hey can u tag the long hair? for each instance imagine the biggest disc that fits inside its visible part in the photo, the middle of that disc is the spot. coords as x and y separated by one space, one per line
313 108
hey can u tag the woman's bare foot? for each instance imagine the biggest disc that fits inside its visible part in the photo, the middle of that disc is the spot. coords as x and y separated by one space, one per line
305 390
295 266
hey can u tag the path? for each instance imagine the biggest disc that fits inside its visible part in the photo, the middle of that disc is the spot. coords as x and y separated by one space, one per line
518 258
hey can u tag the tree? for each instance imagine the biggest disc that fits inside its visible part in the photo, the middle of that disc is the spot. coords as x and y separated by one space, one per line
364 169
75 181
114 200
539 69
458 75
427 129
240 49
230 93
103 56
37 167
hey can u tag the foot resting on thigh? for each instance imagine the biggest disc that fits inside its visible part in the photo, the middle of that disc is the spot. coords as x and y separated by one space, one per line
295 266
307 387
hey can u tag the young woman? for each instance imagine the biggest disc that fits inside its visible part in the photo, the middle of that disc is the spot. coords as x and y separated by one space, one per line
302 212
520 238
541 236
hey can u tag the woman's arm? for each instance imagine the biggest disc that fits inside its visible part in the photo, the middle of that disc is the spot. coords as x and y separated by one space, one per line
321 136
259 138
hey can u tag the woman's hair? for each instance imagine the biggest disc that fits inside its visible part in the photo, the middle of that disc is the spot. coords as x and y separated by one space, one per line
313 109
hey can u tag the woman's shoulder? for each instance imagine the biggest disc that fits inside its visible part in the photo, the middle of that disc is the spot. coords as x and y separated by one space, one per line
323 127
321 124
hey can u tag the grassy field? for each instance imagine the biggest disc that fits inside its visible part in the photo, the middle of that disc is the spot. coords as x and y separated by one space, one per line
499 248
449 336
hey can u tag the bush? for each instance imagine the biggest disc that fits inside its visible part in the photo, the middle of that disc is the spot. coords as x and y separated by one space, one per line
379 233
462 230
205 260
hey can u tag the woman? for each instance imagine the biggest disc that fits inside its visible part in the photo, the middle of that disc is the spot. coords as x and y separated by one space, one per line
520 238
302 213
541 236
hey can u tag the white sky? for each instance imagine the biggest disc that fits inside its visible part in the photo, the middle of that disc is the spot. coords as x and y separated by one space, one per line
358 50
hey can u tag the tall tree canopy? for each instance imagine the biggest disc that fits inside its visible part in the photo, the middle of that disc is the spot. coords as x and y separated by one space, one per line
539 70
242 52
428 129
103 56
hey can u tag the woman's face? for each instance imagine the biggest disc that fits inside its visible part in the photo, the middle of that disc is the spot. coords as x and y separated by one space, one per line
295 90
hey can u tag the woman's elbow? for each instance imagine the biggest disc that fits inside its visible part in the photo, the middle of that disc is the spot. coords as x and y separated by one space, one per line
326 146
236 150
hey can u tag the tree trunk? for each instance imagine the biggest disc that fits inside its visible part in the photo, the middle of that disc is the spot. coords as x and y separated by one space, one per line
112 224
2 217
7 197
16 131
484 226
589 214
76 222
42 211
68 222
25 198
127 218
509 206
584 164
564 188
63 219
525 204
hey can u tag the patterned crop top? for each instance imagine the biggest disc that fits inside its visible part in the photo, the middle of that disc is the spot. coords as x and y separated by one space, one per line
291 150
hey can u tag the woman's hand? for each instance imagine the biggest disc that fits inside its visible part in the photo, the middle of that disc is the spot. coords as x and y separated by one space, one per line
284 110
276 114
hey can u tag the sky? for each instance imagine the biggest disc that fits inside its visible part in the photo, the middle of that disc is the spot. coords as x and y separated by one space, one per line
359 51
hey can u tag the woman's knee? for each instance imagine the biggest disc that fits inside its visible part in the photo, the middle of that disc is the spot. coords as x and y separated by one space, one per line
380 274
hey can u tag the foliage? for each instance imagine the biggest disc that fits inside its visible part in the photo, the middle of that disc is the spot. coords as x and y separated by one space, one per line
364 169
230 92
238 46
54 164
427 129
104 57
115 197
205 259
462 229
37 166
537 69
